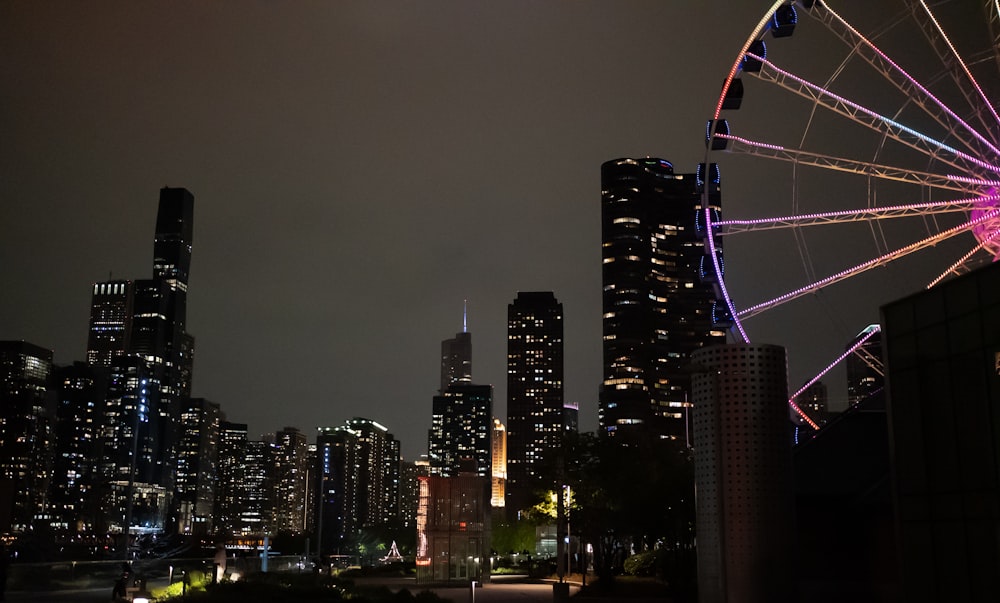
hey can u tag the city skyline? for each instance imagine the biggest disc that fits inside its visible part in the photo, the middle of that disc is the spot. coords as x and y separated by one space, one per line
358 177
374 168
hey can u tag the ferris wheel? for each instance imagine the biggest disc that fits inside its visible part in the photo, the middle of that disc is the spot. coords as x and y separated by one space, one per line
862 160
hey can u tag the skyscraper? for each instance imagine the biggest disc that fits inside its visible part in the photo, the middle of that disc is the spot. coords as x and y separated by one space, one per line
498 490
657 307
138 331
535 421
290 472
197 465
461 426
456 358
81 391
110 332
865 369
232 490
26 414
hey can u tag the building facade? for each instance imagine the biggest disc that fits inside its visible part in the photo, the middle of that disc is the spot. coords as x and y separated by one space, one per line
535 405
26 428
197 466
231 469
81 391
942 353
461 429
743 472
456 360
658 299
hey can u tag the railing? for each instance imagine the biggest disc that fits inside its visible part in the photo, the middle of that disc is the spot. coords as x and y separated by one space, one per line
74 575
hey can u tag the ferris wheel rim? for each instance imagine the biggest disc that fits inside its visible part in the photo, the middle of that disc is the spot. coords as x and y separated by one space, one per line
985 174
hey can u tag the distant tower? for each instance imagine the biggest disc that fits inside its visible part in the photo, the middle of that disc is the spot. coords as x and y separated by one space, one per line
657 307
232 477
535 421
290 472
257 509
456 357
110 332
743 472
358 469
26 414
499 461
865 370
197 465
461 428
81 391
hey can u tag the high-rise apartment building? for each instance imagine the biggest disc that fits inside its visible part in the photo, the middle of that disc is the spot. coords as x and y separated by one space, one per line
658 307
337 481
358 474
256 513
81 392
461 428
290 477
26 416
535 406
498 490
865 368
231 469
197 465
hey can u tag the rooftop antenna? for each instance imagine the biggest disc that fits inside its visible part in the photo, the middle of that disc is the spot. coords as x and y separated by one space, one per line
465 315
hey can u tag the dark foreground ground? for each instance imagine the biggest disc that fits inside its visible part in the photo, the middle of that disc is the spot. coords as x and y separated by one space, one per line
503 589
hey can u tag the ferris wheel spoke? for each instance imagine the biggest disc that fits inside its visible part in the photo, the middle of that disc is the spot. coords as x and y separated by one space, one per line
949 56
993 22
953 125
964 184
853 111
854 349
882 260
962 265
730 227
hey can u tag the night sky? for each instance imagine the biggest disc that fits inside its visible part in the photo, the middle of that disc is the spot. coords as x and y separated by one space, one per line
359 170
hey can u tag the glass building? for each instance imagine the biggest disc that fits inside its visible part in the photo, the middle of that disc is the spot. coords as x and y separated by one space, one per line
942 353
658 299
535 421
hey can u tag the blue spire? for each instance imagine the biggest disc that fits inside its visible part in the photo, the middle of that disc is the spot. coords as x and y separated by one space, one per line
465 314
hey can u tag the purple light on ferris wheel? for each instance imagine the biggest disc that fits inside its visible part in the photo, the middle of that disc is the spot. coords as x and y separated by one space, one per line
870 333
990 216
913 82
718 271
970 202
819 90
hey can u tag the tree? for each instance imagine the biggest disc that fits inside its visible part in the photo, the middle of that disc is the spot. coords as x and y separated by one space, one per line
627 497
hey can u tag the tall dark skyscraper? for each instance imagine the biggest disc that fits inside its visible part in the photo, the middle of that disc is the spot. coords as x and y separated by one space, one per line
26 413
535 421
138 331
81 391
197 466
461 428
657 307
456 358
110 334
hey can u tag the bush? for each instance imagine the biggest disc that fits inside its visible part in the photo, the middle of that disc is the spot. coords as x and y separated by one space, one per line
642 564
